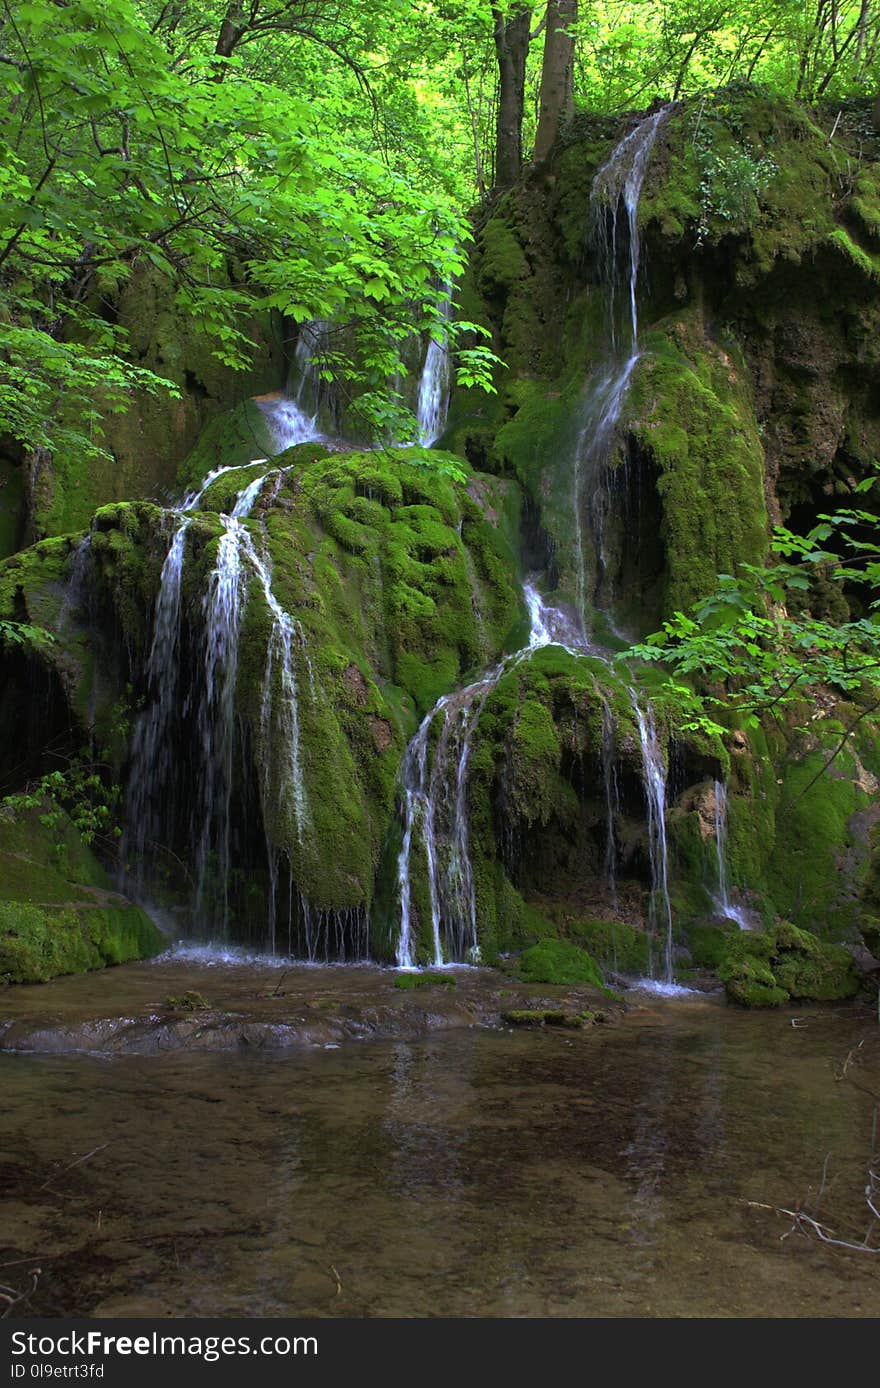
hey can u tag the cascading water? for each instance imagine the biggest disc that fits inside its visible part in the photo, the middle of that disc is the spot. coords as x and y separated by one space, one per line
612 797
614 205
433 399
618 184
283 782
723 905
211 702
223 607
435 769
654 774
441 817
436 766
293 418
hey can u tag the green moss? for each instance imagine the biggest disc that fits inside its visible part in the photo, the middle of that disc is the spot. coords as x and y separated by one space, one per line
695 416
57 915
502 259
709 944
614 944
409 981
768 968
751 983
812 834
559 961
866 263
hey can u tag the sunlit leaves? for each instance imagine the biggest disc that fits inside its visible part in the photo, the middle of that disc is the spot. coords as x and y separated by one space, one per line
242 194
754 640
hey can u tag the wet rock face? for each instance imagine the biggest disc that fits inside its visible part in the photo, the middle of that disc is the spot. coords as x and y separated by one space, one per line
283 734
367 587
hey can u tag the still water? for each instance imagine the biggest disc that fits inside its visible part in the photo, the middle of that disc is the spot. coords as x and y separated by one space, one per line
617 1172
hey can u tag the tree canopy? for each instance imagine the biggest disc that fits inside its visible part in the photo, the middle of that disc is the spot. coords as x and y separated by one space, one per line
316 157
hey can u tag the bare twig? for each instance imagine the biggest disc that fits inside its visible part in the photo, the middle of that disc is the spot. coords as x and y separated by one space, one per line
79 1161
12 1297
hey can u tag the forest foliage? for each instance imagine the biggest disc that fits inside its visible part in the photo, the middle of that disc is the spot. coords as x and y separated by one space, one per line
317 157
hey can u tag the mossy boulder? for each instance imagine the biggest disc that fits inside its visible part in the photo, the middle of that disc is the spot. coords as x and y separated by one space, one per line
559 962
767 969
395 574
409 982
58 914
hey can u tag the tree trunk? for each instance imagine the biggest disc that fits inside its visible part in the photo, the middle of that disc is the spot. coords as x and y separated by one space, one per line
231 30
557 74
511 49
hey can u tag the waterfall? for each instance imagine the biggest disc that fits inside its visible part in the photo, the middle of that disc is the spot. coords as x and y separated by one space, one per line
279 717
433 400
616 238
434 800
150 779
288 423
76 592
293 419
418 810
612 801
247 499
654 777
723 905
619 181
223 607
150 793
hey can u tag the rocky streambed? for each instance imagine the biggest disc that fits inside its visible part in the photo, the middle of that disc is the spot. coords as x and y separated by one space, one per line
207 1000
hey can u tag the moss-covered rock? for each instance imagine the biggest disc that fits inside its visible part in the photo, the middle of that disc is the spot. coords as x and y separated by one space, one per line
408 981
559 961
57 912
770 968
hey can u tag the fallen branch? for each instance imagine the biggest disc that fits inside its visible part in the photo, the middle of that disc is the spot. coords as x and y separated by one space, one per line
79 1161
12 1297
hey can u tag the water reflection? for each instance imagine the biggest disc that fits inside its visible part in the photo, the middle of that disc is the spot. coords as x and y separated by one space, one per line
606 1173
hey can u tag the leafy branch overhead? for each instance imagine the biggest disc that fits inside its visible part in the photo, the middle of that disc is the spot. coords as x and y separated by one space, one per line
239 193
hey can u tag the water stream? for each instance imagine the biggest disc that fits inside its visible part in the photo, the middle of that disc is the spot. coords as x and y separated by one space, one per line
654 775
434 797
434 383
614 202
724 906
632 1171
210 702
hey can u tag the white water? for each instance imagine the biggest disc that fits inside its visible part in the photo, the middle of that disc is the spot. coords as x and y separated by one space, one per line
151 752
148 807
619 181
289 424
654 776
618 184
418 811
441 819
434 383
283 784
664 990
223 606
723 905
294 418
